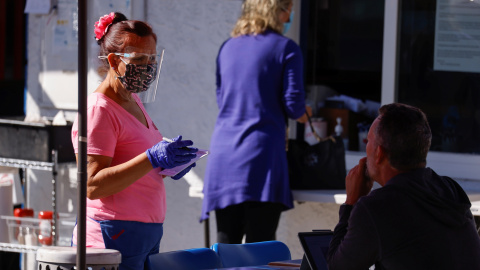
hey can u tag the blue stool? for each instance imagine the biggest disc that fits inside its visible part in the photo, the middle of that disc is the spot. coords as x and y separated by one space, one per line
250 254
188 259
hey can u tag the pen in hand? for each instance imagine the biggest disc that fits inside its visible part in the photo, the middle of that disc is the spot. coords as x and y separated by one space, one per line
167 139
171 141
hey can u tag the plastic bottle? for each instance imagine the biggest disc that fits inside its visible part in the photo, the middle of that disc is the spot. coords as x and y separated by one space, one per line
31 237
339 132
45 235
20 236
20 213
338 127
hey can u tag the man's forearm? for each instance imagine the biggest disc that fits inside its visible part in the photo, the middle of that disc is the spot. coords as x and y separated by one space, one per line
354 245
340 230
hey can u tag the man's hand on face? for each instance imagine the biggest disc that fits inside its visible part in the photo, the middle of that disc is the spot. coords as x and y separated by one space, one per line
357 183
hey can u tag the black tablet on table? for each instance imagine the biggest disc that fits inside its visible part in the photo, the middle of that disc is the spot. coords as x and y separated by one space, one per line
315 245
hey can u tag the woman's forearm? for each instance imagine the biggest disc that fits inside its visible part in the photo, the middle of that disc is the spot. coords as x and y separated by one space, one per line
107 181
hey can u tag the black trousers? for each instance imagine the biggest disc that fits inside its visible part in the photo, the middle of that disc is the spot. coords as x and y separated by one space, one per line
258 221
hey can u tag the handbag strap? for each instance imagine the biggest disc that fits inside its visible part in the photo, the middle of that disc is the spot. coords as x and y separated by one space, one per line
319 139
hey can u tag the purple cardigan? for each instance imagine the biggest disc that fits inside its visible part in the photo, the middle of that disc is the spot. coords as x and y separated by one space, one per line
259 83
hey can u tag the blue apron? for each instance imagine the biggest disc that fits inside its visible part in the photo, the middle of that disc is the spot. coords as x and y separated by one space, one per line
135 241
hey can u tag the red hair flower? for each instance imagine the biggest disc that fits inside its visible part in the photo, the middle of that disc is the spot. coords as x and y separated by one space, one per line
102 25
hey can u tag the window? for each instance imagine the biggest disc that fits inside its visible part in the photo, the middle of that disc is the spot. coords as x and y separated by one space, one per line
450 98
342 43
448 91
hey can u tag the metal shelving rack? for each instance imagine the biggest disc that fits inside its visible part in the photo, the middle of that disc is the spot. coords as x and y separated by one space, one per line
37 165
18 248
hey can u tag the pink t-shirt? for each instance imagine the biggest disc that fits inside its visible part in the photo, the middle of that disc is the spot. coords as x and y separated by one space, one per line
113 132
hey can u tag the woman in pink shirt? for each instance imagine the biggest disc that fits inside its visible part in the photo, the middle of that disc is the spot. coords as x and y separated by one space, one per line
126 152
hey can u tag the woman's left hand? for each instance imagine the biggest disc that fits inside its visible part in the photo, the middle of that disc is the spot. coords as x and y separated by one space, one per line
185 171
171 154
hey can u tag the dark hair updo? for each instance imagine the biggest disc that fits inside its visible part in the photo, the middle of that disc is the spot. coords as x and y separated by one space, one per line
114 39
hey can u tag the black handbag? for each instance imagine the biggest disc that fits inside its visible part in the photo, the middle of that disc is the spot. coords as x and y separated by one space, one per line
318 166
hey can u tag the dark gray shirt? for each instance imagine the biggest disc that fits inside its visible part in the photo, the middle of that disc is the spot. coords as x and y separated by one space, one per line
418 220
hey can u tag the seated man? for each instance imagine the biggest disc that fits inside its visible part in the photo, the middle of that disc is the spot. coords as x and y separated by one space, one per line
417 219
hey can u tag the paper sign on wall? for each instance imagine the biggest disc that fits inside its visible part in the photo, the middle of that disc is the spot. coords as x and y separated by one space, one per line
457 36
38 6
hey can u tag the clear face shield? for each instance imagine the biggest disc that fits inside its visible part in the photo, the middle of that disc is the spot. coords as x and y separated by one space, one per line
142 73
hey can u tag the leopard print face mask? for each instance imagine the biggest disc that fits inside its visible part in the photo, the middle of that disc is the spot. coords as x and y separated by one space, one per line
138 78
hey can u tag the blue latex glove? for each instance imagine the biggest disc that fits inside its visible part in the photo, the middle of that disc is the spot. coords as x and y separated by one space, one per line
171 154
185 171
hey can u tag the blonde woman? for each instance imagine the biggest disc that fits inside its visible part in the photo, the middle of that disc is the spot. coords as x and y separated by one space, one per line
259 84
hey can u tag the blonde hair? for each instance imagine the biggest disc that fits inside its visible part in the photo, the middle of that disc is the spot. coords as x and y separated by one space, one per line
260 15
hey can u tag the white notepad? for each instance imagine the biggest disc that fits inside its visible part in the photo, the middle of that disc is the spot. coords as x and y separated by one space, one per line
173 171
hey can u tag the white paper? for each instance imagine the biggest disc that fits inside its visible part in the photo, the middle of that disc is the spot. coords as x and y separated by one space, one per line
173 171
38 6
457 36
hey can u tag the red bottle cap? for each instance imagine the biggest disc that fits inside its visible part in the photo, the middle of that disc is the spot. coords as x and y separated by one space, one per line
23 212
45 215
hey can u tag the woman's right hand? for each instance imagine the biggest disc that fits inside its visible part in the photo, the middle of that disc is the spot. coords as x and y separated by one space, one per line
171 154
303 119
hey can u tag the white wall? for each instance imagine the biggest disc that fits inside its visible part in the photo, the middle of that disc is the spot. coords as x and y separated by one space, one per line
191 33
